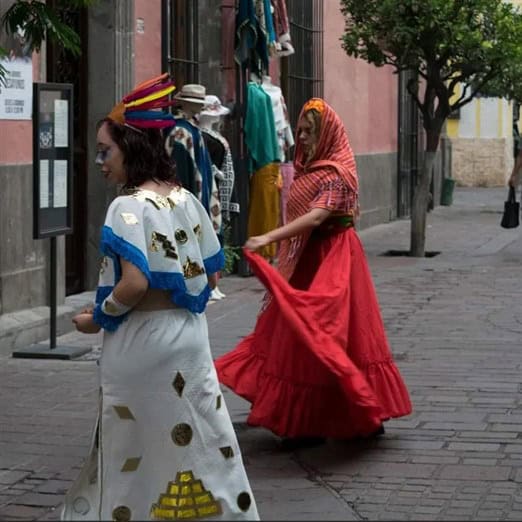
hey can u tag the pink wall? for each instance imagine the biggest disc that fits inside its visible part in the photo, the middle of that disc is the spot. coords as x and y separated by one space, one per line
147 43
16 136
364 96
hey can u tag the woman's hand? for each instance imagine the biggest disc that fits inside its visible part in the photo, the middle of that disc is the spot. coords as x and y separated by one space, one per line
512 181
84 323
255 242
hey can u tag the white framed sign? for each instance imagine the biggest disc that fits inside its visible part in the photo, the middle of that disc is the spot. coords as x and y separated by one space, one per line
16 94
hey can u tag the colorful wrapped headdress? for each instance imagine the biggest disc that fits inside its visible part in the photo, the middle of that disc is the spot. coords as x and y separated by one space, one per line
314 103
141 108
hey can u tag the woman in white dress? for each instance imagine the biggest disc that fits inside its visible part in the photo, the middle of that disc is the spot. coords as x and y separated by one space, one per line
164 447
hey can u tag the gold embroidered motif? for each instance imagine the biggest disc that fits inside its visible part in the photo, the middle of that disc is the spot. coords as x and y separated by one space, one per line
124 413
193 486
178 383
181 434
197 231
121 514
218 402
168 247
178 195
103 264
192 269
154 246
131 464
227 452
186 498
129 218
152 197
181 236
243 501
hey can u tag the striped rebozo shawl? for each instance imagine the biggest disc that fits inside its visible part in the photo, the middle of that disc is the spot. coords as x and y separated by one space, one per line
333 152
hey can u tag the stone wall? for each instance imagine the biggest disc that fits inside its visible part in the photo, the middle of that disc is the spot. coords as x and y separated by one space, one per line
24 268
377 188
480 162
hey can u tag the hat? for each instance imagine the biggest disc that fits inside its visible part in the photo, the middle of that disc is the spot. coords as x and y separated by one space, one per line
143 107
213 107
191 92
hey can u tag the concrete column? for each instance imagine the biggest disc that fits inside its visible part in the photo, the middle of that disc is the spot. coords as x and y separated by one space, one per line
210 55
111 75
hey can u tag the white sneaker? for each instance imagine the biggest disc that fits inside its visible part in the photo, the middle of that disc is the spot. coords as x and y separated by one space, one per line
219 293
214 296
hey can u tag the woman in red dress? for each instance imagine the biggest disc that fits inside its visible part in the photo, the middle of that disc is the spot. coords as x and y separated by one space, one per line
318 363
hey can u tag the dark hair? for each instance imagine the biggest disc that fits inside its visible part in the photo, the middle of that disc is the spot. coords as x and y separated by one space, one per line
144 154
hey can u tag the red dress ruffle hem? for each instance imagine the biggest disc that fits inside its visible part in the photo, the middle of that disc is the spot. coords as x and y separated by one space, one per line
318 363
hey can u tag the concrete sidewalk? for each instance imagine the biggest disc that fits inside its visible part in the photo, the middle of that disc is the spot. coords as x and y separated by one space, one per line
455 326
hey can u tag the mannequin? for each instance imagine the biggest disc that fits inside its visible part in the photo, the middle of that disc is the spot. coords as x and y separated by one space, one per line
210 120
185 145
217 175
282 123
221 158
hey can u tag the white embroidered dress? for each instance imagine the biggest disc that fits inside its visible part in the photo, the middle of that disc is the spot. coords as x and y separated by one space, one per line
164 447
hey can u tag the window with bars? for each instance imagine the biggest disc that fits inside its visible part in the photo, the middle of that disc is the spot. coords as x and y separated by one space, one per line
302 72
180 40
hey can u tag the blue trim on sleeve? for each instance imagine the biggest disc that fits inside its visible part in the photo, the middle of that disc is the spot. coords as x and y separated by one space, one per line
101 293
194 303
215 263
112 244
108 322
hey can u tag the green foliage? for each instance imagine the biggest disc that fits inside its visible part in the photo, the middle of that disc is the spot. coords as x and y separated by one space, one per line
448 43
39 21
232 255
232 252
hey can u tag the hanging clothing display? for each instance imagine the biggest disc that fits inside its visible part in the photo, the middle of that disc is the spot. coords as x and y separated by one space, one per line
260 132
281 118
284 45
221 158
265 183
264 211
251 44
185 145
266 23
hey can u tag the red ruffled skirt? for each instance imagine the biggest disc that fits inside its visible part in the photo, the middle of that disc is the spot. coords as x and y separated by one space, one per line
318 363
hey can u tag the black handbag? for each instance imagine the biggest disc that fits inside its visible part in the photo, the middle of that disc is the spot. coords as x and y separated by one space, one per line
510 218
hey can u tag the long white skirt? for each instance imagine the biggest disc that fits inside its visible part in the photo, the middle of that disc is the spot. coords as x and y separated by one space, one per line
164 447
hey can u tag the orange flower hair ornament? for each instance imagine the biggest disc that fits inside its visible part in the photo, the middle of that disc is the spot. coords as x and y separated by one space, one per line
314 103
141 108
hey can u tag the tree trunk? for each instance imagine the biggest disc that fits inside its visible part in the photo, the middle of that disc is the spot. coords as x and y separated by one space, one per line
420 206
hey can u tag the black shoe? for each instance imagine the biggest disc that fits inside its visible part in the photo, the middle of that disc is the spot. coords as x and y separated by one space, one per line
290 444
380 431
377 433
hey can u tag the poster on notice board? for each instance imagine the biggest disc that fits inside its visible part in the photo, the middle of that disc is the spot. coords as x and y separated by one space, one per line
16 90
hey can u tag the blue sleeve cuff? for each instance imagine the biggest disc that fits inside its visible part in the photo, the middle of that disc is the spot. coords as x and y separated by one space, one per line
215 263
107 322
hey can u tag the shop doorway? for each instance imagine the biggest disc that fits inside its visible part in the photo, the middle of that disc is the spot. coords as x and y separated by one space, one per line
63 67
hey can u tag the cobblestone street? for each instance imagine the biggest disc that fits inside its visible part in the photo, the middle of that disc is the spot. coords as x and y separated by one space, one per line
454 323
